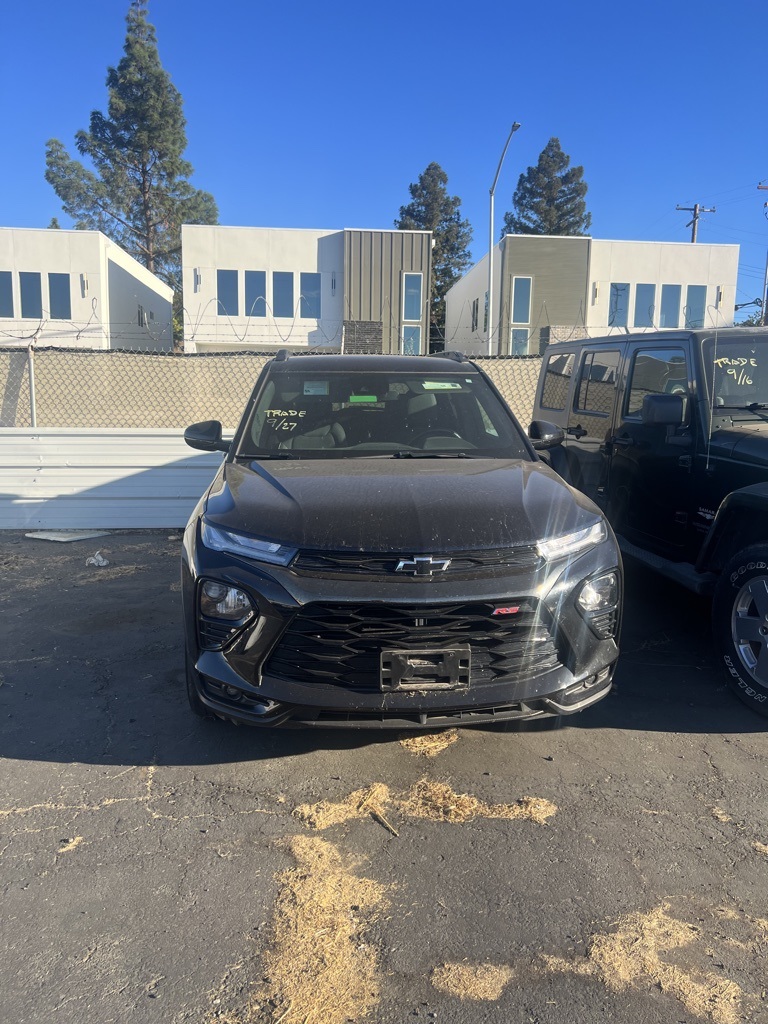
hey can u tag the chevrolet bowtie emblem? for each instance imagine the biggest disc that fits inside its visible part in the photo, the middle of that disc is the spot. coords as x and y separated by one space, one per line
419 566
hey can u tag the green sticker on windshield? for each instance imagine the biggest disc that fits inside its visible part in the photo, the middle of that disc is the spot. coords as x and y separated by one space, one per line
363 398
441 385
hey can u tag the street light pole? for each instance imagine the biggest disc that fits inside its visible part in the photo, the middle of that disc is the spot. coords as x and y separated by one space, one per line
492 190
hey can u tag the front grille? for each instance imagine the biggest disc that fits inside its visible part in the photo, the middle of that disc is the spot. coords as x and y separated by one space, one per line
471 564
341 644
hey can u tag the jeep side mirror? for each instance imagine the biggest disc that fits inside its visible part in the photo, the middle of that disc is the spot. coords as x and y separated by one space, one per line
545 435
663 410
206 436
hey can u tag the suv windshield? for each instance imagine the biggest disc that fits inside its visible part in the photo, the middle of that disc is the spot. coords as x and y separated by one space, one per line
740 369
347 414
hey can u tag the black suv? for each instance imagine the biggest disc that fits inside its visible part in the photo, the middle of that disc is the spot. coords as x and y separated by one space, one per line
668 433
382 546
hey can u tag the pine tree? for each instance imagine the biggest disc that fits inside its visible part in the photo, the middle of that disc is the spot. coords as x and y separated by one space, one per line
138 191
549 198
432 209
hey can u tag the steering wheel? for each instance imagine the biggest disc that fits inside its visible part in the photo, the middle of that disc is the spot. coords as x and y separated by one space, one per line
436 432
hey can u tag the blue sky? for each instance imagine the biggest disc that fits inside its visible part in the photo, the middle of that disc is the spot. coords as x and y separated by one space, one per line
321 114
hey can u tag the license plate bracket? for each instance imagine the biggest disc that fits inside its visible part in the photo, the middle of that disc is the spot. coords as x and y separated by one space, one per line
435 668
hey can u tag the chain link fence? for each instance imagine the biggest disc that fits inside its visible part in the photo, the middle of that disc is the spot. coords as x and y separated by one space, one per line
51 387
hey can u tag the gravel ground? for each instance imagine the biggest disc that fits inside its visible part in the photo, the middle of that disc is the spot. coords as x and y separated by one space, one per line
153 869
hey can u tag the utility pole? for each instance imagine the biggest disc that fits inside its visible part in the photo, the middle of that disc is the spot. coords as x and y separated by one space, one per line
697 211
764 312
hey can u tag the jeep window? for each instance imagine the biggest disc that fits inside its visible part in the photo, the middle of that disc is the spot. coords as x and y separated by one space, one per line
656 372
740 371
557 377
353 413
597 383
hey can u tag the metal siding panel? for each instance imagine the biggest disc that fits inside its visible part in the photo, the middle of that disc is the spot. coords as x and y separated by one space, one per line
106 479
559 268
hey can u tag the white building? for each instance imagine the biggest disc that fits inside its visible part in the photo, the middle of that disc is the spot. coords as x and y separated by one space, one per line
269 288
78 289
549 288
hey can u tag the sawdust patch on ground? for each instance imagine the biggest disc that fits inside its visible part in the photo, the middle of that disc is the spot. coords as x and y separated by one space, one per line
319 968
435 801
327 813
439 802
429 744
655 949
472 981
719 815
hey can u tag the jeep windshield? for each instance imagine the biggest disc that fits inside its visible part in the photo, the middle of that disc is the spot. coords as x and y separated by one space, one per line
736 370
356 414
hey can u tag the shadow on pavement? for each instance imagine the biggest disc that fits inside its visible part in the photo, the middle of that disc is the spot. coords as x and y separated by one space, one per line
94 674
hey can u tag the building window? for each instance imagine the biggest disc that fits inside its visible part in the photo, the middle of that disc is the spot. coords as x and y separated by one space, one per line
475 313
520 341
255 293
310 296
6 293
282 293
226 291
31 296
411 341
618 306
521 300
58 294
645 305
695 305
141 318
557 379
670 305
411 296
485 314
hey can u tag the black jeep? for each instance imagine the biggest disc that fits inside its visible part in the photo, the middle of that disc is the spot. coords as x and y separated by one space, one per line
668 433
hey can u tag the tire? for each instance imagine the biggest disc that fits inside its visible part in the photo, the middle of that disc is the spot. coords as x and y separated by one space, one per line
196 705
740 625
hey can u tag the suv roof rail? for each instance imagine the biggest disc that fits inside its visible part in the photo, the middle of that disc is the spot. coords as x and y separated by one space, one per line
458 357
282 355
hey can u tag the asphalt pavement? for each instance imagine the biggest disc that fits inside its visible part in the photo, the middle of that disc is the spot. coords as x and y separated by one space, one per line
160 868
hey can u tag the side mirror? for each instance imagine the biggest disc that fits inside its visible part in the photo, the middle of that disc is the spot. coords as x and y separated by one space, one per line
663 410
545 435
206 436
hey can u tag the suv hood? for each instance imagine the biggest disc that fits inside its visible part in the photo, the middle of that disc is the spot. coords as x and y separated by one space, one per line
397 504
745 443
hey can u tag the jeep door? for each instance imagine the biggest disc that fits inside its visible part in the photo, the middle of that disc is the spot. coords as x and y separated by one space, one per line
651 464
590 418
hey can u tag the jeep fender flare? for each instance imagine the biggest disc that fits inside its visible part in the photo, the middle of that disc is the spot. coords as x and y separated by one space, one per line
740 522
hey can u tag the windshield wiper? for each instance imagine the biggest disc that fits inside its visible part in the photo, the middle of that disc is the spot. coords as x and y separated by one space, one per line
752 407
430 455
265 455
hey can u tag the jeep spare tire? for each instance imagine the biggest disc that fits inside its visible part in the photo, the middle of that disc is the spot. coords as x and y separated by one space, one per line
740 624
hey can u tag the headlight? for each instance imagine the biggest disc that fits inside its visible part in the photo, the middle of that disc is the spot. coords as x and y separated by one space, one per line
217 539
599 595
598 602
570 543
218 601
